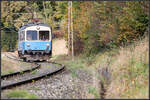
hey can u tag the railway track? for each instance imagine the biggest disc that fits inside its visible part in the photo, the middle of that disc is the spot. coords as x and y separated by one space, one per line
29 75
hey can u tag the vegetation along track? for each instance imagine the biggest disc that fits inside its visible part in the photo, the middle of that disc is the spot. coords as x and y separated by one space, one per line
29 75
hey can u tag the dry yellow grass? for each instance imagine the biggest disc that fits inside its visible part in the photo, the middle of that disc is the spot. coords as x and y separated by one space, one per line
129 67
128 80
9 66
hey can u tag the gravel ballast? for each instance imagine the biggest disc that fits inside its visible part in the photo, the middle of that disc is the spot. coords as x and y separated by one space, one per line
59 86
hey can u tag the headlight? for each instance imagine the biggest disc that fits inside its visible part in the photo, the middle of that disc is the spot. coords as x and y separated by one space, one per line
28 45
47 45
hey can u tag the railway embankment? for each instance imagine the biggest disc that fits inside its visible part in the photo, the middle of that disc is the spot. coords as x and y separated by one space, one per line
122 72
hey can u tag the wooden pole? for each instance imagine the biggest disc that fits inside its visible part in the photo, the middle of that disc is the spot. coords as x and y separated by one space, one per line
45 19
72 33
68 28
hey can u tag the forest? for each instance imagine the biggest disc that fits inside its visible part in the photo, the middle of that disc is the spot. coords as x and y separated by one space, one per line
97 25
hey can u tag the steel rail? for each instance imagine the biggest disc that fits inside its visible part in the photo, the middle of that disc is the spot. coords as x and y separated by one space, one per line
16 83
20 72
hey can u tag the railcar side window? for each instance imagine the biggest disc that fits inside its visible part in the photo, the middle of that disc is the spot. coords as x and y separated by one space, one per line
44 35
21 35
31 35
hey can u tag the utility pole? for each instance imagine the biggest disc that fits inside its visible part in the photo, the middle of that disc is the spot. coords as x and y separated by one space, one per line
45 19
69 28
70 31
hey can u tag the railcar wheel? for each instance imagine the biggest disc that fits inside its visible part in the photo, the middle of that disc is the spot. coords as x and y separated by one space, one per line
24 59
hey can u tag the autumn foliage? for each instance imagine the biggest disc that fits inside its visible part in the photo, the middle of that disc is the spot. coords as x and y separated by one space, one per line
96 25
100 25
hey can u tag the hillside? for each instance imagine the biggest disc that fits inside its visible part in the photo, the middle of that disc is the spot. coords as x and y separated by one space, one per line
127 75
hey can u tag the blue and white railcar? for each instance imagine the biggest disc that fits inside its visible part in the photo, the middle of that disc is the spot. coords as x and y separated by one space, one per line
35 42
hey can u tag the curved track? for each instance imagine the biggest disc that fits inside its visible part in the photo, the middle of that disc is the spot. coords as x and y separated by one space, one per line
35 73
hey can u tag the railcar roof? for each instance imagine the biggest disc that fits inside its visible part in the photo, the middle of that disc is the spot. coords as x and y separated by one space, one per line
33 24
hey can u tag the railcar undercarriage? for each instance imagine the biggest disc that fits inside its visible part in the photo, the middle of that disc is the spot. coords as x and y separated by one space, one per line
35 55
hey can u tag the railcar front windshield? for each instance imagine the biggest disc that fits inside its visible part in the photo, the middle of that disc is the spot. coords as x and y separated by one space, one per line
44 35
31 35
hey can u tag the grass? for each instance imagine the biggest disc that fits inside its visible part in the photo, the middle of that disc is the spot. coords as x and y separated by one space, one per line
9 71
129 65
34 71
74 74
10 66
130 71
50 66
20 94
47 66
36 88
78 63
93 91
6 67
